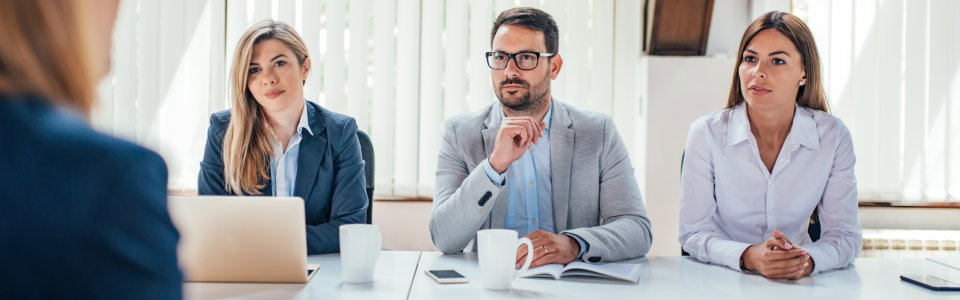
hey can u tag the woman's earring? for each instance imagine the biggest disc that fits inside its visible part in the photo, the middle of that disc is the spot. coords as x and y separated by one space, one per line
802 82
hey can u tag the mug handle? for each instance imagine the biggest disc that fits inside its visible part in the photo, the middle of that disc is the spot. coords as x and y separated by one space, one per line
526 264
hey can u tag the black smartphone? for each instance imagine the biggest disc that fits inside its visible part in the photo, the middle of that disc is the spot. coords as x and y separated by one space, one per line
931 282
447 276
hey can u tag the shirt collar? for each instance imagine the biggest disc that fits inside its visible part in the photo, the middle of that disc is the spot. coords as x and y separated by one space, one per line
739 128
804 128
546 118
304 122
802 132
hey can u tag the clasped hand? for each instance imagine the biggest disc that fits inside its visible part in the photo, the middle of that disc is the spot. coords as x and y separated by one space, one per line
778 258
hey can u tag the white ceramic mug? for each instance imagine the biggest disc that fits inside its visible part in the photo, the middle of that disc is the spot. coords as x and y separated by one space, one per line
498 256
359 250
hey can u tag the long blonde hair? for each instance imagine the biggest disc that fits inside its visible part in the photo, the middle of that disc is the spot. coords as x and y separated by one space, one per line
46 51
247 142
810 94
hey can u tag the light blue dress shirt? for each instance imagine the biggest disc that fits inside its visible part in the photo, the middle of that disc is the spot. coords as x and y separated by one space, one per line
729 200
530 191
283 166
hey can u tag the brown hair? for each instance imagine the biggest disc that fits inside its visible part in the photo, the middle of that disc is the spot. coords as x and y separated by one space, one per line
247 142
810 94
531 18
44 51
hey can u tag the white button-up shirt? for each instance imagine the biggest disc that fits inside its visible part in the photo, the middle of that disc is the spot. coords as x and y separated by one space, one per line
729 201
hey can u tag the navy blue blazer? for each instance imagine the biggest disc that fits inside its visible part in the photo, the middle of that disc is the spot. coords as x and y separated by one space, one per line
82 215
330 176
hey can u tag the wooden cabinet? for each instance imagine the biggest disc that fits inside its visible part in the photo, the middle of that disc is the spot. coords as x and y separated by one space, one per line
677 27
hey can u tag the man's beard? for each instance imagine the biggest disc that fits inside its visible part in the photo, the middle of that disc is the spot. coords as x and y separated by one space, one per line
527 101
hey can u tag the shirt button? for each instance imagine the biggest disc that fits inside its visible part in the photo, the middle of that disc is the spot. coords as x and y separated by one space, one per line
534 221
531 185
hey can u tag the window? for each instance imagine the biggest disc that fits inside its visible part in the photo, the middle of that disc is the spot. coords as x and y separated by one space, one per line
399 67
893 76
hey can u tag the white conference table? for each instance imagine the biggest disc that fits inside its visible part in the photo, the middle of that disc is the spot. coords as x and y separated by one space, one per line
676 277
391 280
400 275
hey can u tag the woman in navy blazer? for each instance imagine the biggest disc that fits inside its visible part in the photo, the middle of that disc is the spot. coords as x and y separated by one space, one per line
274 142
82 215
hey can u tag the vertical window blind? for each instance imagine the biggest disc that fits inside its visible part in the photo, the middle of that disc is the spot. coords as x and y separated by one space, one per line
400 67
892 74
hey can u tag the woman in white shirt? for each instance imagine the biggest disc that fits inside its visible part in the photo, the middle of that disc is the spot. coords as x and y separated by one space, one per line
754 172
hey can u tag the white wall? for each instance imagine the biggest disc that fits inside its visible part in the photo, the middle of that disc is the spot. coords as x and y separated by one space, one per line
679 90
729 20
760 7
675 90
404 225
731 17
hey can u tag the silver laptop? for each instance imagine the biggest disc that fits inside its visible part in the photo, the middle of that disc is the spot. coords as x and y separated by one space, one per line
241 239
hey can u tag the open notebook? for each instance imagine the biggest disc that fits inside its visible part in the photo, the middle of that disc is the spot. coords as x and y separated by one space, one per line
626 272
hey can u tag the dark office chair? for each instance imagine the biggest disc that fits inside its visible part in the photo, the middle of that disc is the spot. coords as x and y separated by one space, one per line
813 230
366 151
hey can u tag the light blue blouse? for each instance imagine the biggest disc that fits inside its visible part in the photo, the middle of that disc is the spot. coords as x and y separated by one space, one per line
283 165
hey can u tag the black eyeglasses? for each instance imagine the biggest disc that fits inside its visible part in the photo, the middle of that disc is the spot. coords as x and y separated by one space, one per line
523 60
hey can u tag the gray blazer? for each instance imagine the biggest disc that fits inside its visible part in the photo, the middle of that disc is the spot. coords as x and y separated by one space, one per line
601 204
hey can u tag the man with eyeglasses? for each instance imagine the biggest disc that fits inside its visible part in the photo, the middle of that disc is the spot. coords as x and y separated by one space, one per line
555 174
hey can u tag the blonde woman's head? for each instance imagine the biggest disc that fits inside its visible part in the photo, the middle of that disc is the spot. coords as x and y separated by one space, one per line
270 57
270 67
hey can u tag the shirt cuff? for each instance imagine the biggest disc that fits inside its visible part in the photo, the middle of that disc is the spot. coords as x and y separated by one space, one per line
495 177
727 252
819 257
583 244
